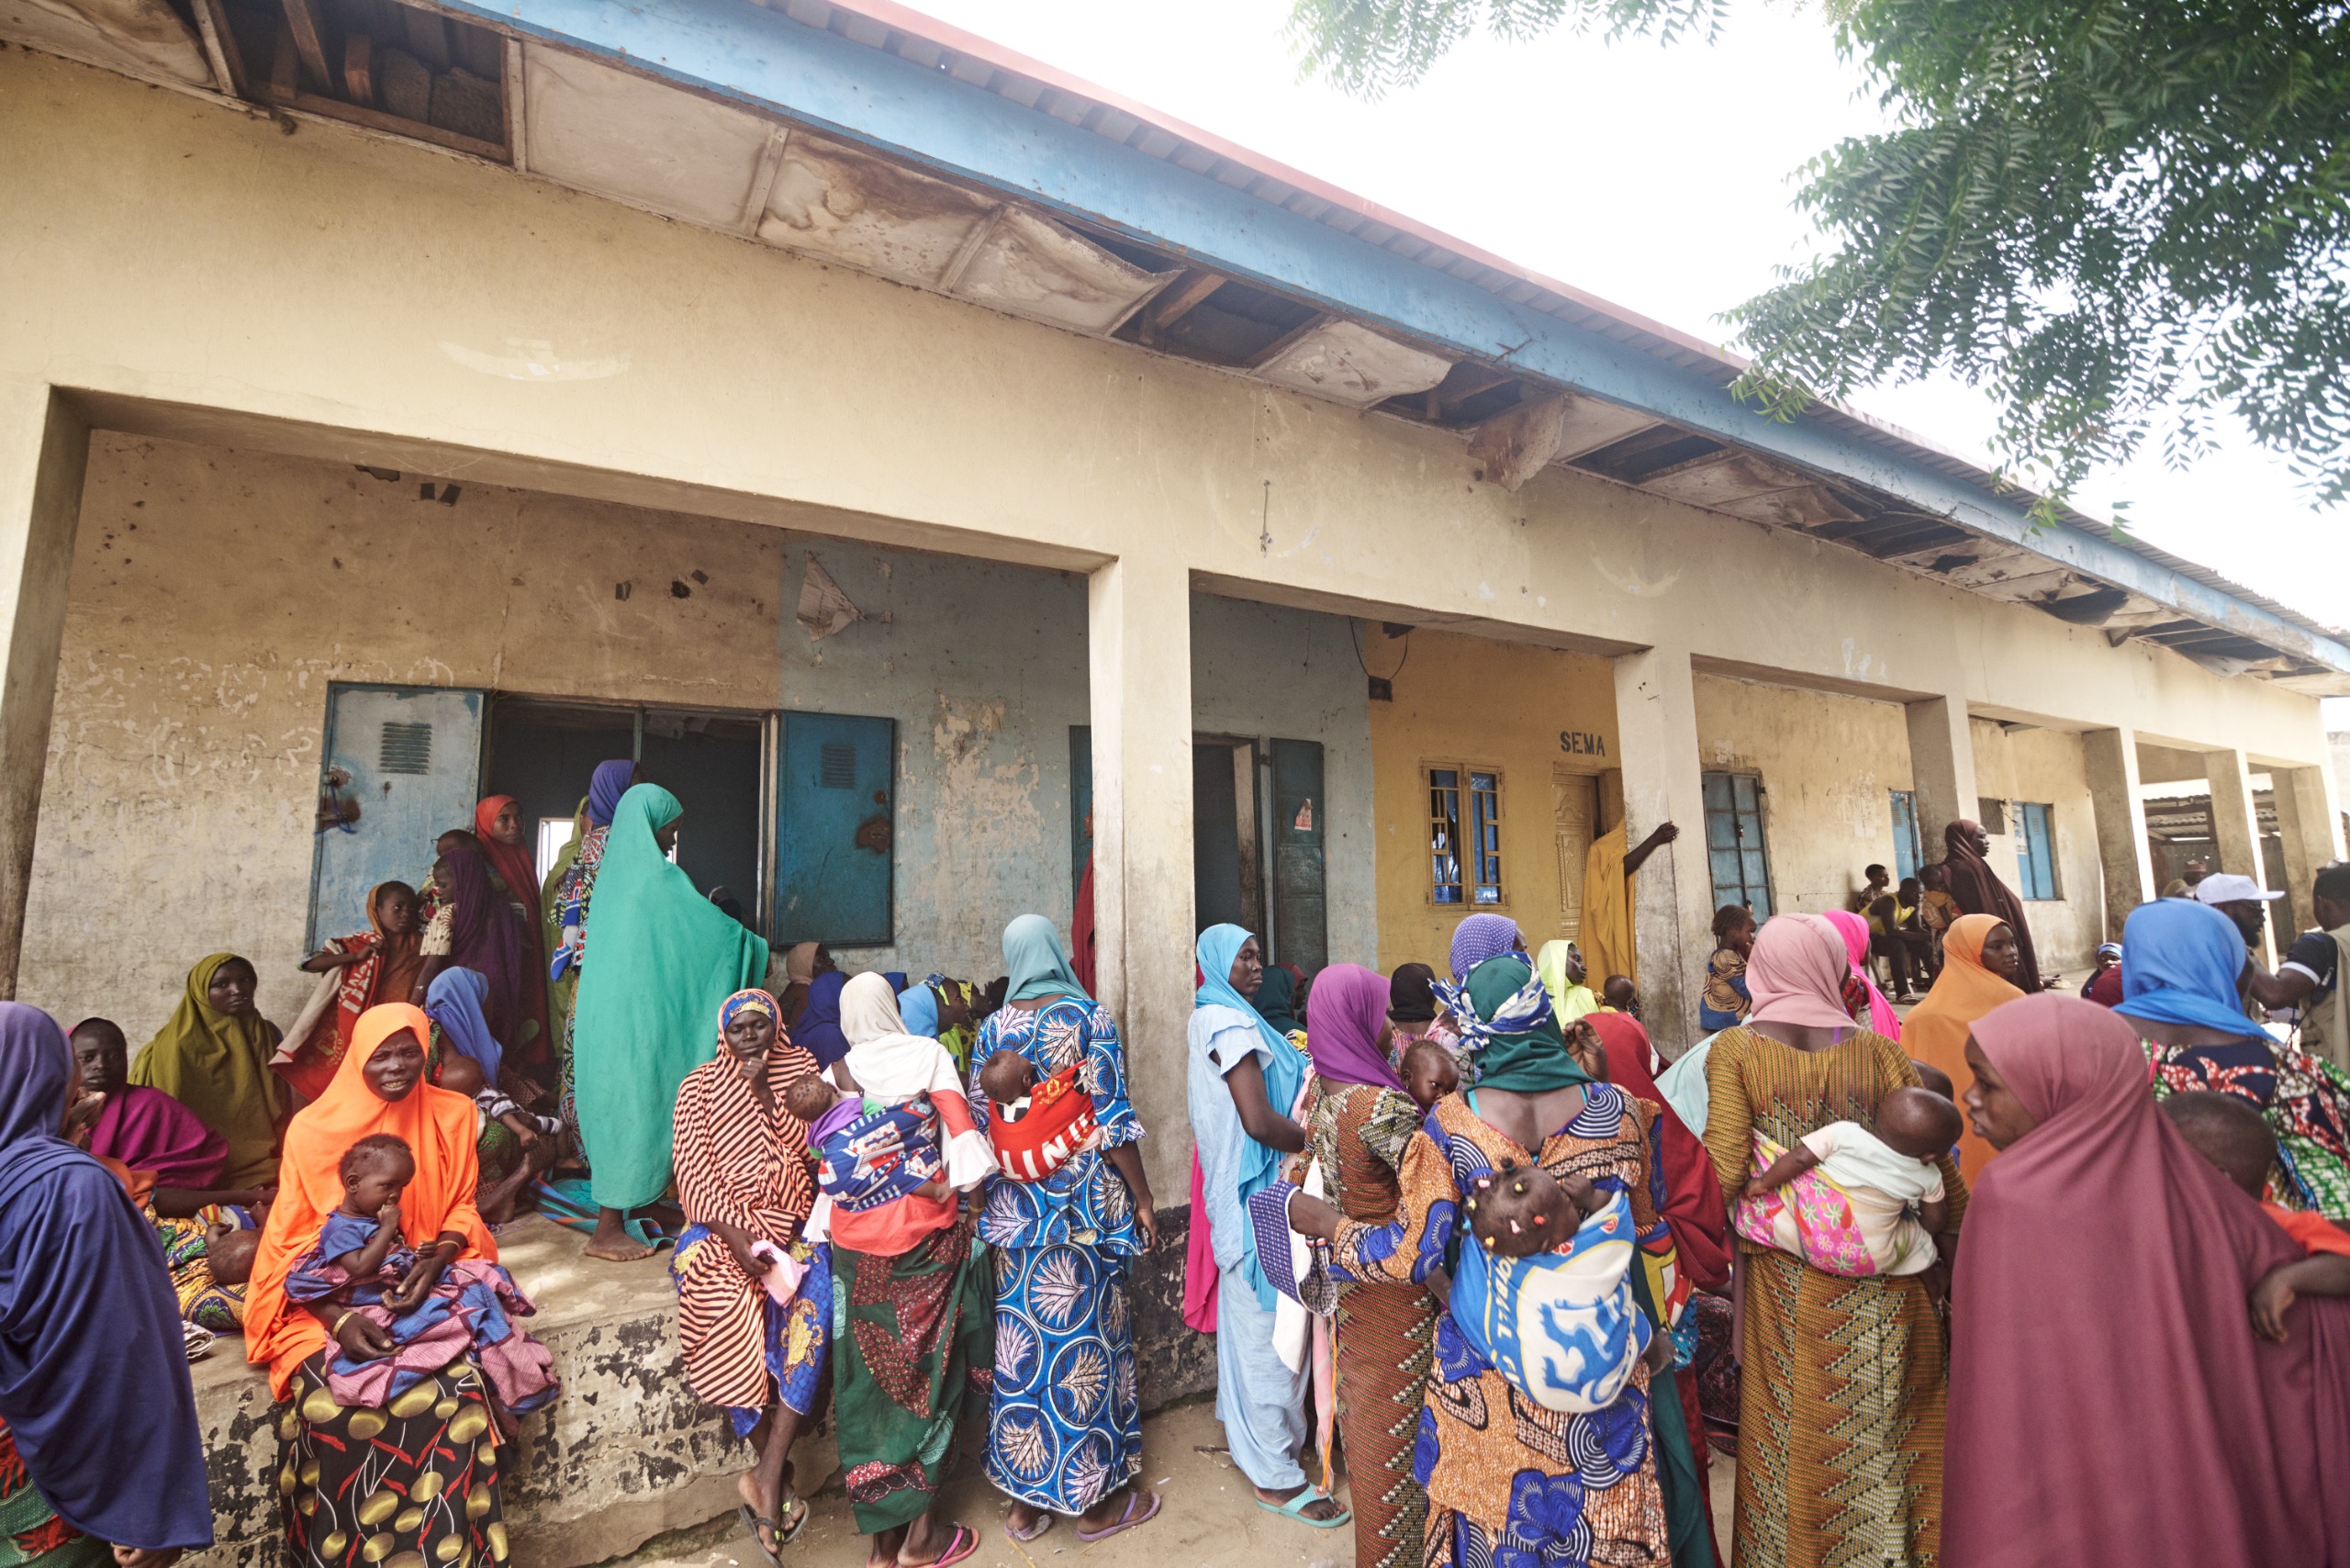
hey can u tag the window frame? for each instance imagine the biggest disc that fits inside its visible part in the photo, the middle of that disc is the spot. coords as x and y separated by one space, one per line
1770 904
1465 823
2035 828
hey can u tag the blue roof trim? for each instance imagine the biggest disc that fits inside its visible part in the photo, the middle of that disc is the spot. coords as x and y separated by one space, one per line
767 61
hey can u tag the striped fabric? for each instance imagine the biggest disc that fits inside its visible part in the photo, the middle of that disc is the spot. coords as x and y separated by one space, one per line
738 1163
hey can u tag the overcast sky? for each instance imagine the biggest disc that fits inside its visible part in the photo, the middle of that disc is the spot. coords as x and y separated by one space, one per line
1656 177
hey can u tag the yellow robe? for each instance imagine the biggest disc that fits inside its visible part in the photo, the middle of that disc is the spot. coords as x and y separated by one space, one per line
1606 930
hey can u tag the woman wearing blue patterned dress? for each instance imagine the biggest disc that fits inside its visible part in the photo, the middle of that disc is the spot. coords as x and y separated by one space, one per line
1065 1431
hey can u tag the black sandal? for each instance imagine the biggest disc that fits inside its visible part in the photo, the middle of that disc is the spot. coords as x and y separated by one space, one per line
754 1523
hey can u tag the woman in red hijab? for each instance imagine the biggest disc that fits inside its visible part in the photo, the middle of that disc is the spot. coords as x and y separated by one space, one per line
433 1451
2108 1399
498 823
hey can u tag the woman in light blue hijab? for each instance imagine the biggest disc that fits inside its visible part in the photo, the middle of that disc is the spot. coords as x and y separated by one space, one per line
1244 1083
1064 1242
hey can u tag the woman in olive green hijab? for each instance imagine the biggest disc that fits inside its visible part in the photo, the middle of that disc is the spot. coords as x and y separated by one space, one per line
213 1057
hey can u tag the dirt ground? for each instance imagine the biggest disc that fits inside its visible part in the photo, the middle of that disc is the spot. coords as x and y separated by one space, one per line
1210 1517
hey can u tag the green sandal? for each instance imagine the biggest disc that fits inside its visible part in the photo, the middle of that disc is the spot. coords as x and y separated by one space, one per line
1295 1508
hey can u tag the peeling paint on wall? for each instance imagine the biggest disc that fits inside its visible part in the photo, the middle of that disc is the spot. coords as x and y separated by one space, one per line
216 593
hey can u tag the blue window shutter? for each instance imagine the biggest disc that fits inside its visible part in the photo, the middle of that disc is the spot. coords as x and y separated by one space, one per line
1907 854
402 766
1735 853
836 831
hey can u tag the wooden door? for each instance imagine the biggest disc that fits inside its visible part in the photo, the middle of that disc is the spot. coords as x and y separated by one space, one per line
1575 798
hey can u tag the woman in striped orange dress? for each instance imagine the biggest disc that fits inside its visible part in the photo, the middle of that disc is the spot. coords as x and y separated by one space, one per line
1840 1431
743 1178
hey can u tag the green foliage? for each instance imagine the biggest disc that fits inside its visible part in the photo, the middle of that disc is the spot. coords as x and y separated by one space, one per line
1368 46
2120 219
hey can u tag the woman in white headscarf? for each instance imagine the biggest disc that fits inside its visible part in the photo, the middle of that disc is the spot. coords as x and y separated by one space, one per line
928 1305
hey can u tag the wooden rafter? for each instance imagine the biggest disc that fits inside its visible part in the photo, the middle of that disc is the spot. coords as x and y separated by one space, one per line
309 29
1178 301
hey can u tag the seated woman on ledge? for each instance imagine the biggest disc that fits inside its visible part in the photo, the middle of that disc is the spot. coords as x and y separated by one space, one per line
147 1130
433 1445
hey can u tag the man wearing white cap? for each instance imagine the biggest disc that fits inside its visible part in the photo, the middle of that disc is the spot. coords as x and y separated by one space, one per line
2239 898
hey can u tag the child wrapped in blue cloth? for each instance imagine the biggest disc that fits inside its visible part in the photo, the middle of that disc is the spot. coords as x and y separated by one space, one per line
362 1262
1544 1292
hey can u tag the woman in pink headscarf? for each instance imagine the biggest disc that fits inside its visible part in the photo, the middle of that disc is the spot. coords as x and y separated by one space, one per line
2183 1441
1854 933
1815 1485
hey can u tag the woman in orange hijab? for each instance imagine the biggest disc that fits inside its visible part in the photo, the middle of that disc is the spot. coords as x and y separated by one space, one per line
1980 960
351 1479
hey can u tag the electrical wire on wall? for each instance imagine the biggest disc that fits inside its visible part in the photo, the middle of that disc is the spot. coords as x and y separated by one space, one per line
1382 686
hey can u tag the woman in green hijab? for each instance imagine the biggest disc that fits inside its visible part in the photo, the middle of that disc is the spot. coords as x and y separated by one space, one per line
663 958
1537 1097
213 1057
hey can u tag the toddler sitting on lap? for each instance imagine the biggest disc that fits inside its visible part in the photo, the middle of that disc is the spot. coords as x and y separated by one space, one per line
361 1263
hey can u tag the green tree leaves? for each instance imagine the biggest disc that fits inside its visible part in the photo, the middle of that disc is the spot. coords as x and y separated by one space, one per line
2121 219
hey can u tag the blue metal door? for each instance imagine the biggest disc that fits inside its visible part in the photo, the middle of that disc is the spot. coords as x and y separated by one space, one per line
836 830
402 766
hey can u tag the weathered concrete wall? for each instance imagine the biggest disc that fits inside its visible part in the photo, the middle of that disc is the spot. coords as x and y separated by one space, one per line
984 668
361 300
1472 702
2048 767
215 595
1829 764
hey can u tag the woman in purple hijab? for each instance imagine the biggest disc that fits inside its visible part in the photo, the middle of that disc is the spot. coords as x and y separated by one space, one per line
95 1397
477 925
147 1130
1361 1124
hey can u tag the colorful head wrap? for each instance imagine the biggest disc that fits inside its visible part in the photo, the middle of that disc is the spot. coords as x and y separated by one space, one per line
742 1001
1510 1029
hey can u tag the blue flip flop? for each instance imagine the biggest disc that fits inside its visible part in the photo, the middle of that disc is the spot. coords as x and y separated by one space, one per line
1294 1508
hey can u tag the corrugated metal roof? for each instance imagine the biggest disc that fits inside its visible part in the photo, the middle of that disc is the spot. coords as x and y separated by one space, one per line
979 63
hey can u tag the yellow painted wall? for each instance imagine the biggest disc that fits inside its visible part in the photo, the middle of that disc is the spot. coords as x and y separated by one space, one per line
2047 766
1828 765
1479 703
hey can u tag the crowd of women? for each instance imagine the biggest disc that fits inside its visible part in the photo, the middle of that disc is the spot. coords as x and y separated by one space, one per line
908 1204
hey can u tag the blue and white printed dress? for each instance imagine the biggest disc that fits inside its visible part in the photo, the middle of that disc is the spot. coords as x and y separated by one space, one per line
1066 1427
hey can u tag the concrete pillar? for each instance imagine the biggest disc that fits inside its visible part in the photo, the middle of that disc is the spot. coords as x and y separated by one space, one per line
2112 760
2235 826
2310 823
1941 770
1138 645
1672 895
44 450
